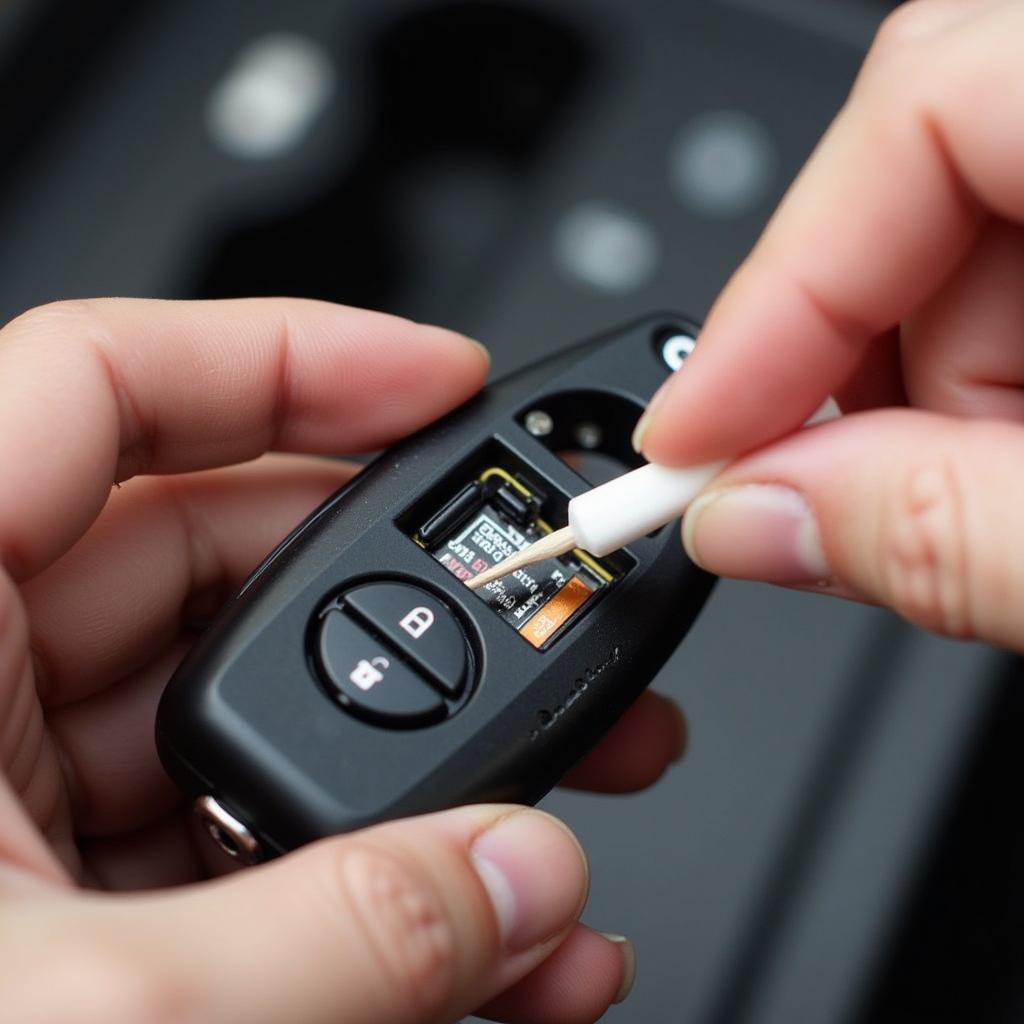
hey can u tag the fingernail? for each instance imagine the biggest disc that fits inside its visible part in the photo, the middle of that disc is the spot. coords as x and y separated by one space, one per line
639 432
536 875
756 532
682 736
628 951
643 425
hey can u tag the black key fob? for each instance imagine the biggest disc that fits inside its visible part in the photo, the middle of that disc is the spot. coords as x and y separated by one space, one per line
355 678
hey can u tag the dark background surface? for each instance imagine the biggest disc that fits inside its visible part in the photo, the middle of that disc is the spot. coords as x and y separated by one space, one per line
841 843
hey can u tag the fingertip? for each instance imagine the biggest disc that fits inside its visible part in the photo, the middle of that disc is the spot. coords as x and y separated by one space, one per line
652 420
460 345
536 874
482 351
458 364
628 953
476 355
576 984
764 532
679 428
390 376
647 420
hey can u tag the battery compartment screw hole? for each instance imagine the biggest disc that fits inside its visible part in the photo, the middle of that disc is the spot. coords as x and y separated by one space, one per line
588 430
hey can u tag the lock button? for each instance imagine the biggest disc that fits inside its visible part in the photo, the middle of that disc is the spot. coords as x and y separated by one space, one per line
418 625
369 680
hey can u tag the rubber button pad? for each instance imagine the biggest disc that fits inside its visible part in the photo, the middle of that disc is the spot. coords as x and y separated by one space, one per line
369 680
391 653
417 624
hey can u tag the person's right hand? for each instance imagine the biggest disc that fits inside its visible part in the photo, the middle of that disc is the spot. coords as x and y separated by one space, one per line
892 274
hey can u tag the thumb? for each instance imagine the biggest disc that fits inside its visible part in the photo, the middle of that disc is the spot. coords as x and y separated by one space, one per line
905 508
420 920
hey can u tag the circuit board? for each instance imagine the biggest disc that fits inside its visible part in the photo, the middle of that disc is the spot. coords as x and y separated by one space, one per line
492 518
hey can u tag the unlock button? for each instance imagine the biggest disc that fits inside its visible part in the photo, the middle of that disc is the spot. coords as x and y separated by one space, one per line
418 625
369 680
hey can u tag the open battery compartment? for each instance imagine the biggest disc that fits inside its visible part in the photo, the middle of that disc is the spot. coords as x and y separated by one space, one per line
493 506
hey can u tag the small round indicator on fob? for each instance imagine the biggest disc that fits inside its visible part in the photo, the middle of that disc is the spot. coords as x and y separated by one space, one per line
675 348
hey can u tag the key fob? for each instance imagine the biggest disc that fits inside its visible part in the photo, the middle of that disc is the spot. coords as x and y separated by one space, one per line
355 678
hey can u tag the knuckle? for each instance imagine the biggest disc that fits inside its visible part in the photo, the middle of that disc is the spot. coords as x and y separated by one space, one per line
72 331
898 68
56 319
78 333
906 24
926 555
402 923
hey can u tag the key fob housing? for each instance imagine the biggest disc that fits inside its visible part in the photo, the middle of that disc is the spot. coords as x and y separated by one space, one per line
356 679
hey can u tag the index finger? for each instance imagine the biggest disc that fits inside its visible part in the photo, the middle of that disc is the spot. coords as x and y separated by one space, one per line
94 392
885 209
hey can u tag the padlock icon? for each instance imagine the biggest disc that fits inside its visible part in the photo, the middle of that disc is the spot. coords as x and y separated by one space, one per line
367 674
417 622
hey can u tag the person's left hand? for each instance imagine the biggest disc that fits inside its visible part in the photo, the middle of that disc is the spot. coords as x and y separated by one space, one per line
119 536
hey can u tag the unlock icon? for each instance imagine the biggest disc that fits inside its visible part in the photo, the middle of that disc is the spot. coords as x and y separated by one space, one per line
367 674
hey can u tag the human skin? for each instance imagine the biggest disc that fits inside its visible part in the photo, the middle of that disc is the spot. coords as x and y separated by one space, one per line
892 276
137 497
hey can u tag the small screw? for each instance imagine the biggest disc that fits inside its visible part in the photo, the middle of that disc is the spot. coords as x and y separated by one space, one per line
538 423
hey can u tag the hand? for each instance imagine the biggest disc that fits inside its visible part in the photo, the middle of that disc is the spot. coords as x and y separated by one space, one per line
421 920
893 273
